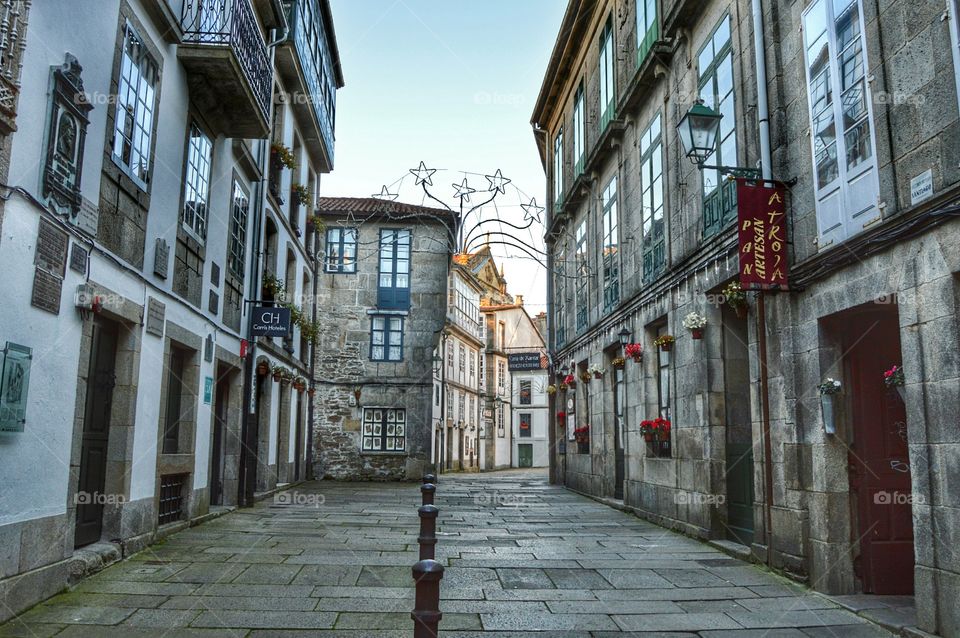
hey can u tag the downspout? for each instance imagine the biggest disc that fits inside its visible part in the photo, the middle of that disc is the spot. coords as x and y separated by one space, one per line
763 114
248 430
313 360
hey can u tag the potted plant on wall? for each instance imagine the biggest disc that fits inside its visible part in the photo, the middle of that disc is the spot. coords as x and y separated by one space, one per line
263 368
585 376
302 196
647 430
695 322
570 381
618 363
582 436
736 298
596 371
662 427
634 351
829 389
564 387
299 384
277 373
282 157
551 389
665 342
894 378
561 416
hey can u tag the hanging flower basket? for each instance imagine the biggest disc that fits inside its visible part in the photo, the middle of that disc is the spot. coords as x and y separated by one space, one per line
634 351
311 392
665 342
564 387
551 389
695 322
736 298
585 377
646 428
277 373
596 371
569 381
282 156
663 429
561 416
826 409
618 363
895 378
299 384
263 369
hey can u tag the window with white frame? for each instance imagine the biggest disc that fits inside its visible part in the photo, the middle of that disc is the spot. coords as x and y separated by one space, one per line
526 424
526 392
715 63
844 160
472 356
386 338
196 183
583 276
449 400
651 200
607 81
501 377
238 230
611 246
579 121
384 430
136 95
450 356
558 169
462 407
341 253
462 363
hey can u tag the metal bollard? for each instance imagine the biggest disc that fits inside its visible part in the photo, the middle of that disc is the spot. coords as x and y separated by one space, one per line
430 478
426 613
428 490
428 531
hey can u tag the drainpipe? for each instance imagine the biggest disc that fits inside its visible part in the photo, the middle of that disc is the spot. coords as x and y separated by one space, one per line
763 114
313 360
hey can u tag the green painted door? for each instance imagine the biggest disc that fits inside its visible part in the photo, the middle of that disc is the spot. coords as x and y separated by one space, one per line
525 455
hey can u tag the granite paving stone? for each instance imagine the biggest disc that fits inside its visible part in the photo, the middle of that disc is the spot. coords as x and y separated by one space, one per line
551 563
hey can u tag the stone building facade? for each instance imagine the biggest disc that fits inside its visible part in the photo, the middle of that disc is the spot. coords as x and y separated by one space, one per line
382 294
639 237
131 237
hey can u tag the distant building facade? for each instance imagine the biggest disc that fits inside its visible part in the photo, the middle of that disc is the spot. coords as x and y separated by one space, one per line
383 292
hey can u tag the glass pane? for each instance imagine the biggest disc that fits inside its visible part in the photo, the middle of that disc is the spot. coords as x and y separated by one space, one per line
386 280
377 338
728 122
706 57
858 144
815 23
851 65
403 281
396 324
854 104
847 16
728 151
396 353
376 353
827 165
725 76
723 34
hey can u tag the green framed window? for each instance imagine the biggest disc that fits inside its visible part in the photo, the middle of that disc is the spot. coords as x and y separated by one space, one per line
579 119
651 199
611 247
607 78
647 29
715 64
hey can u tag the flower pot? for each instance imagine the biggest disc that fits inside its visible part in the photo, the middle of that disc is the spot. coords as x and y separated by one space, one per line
648 437
637 358
826 408
666 347
663 436
597 375
741 310
902 391
696 333
263 370
277 376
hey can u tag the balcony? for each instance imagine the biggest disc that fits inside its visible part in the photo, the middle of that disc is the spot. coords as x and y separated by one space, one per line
229 74
306 65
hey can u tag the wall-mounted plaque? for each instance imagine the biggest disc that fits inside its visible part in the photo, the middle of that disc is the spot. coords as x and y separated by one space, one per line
78 258
161 258
14 386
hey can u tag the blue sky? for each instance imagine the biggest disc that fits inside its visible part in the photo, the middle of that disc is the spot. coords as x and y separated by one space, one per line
452 83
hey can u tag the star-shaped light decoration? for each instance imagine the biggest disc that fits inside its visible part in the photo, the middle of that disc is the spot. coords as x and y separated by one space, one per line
531 212
385 194
497 182
463 191
423 174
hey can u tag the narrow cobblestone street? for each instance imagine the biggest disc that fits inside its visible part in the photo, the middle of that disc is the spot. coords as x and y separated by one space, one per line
521 557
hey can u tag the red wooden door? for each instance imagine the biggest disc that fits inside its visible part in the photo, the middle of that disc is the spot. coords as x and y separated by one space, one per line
879 461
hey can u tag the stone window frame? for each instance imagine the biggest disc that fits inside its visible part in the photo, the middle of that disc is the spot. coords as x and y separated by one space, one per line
610 242
385 438
661 368
388 332
651 146
181 462
335 262
129 22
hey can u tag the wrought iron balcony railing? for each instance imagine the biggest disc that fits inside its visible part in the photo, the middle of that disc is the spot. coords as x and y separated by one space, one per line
231 23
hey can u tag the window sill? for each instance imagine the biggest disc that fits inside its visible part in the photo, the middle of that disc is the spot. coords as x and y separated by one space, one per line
383 453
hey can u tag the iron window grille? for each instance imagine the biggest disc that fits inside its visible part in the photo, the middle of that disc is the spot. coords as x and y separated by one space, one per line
171 498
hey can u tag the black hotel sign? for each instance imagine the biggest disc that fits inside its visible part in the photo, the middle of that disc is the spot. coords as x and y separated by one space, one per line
271 322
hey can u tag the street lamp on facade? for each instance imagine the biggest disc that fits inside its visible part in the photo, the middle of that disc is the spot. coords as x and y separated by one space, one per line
624 335
698 130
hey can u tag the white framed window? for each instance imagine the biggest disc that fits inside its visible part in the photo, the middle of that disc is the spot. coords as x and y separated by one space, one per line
238 230
651 199
846 182
136 95
607 80
501 377
579 121
196 185
611 246
384 430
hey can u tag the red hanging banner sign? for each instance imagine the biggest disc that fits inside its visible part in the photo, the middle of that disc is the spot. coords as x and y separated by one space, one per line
762 229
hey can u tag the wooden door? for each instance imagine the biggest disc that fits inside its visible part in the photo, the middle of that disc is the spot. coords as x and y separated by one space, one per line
101 380
298 439
219 432
879 461
618 428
